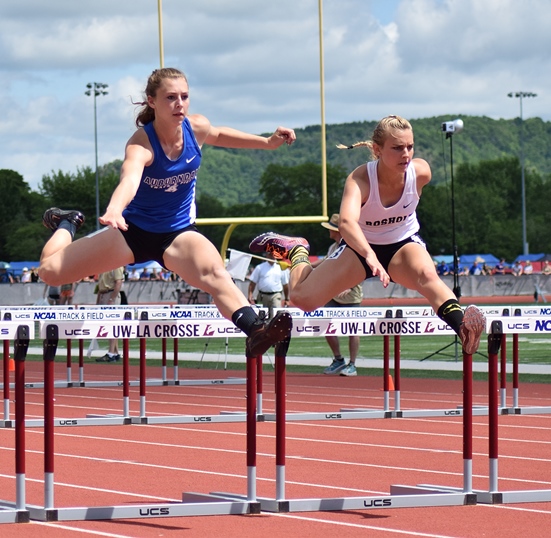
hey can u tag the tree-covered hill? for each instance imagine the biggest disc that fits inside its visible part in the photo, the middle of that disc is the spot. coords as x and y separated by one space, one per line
238 172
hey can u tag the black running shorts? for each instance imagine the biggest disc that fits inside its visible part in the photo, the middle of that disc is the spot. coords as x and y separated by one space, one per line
385 253
147 246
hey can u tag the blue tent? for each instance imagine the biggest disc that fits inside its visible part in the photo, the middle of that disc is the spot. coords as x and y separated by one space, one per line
446 258
469 259
16 268
531 257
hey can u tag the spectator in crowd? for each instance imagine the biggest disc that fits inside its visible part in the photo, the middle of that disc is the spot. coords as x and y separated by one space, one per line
517 270
145 274
67 293
34 275
475 269
528 268
499 269
25 276
109 293
52 294
350 297
546 268
134 274
273 285
154 275
486 270
442 268
5 276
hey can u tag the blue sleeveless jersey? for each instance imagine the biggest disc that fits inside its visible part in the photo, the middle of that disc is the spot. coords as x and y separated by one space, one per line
165 200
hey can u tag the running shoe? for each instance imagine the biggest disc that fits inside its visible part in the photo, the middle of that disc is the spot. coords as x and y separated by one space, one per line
53 216
279 246
265 335
349 370
335 367
474 322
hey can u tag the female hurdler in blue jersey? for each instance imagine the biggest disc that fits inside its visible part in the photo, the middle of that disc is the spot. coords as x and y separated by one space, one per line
379 226
151 213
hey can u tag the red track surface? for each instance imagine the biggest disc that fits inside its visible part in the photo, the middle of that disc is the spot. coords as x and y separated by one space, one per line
115 465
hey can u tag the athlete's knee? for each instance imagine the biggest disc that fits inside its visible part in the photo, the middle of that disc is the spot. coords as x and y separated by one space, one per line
48 275
306 302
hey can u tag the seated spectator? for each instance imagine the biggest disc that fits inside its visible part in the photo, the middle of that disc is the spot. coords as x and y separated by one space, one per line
34 275
134 274
486 270
475 269
154 275
145 275
5 276
25 276
528 268
442 268
499 269
546 268
516 270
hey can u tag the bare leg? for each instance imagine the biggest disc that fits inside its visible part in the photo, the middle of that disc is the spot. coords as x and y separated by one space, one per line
334 344
195 259
413 268
353 347
65 261
312 288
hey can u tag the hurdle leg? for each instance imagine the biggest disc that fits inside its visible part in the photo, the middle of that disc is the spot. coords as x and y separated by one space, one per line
21 346
515 371
126 378
259 373
386 372
397 352
81 362
6 380
175 361
69 362
503 368
143 380
49 348
467 423
251 428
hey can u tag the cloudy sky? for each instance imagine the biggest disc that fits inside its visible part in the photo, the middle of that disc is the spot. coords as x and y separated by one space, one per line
255 65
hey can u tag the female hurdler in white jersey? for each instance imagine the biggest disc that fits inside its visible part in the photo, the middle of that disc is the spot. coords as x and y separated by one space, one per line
379 228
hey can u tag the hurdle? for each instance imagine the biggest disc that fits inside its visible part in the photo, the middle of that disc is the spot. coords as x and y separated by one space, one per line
494 495
401 496
192 503
17 512
495 330
516 326
360 321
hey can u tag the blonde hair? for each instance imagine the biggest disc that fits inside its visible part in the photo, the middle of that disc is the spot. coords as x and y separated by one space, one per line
380 133
147 114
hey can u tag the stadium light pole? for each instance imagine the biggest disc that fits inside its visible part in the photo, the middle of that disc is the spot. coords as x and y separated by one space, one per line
95 89
519 96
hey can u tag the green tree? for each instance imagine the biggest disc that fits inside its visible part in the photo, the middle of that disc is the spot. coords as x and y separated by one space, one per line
21 233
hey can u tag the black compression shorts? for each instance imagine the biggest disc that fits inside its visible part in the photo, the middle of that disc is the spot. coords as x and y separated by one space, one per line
147 246
385 253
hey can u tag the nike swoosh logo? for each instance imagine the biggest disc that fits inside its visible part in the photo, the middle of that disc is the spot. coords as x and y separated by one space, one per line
408 205
189 160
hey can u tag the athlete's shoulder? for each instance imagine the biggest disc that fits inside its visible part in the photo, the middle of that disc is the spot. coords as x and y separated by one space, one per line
201 127
422 170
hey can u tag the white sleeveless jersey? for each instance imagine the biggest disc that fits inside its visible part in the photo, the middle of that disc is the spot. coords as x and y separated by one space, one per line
386 225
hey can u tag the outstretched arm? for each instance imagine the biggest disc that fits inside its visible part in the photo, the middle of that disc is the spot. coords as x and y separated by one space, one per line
138 153
227 137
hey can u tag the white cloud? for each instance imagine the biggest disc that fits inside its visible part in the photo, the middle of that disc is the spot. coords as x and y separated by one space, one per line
255 65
